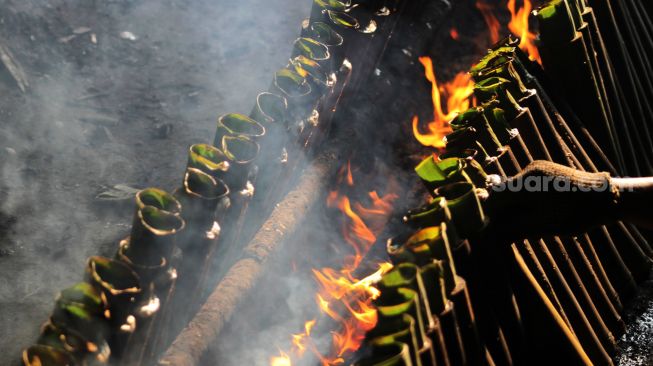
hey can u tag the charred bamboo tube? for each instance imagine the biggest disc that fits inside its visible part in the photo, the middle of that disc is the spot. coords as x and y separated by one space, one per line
548 321
387 354
536 264
444 309
558 32
604 304
566 132
241 152
408 275
401 328
152 238
39 355
401 301
121 287
79 324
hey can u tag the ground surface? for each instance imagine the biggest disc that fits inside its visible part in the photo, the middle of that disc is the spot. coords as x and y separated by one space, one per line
120 110
107 107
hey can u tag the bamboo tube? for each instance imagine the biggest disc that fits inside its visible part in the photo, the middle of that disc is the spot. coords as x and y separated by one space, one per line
408 275
547 321
39 355
401 328
121 287
443 308
536 262
397 302
387 354
79 323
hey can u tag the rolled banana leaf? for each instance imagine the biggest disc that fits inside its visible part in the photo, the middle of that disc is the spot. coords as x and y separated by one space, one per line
435 174
387 354
209 159
152 238
40 355
237 124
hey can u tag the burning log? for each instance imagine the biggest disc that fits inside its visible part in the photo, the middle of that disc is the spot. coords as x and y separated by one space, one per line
207 324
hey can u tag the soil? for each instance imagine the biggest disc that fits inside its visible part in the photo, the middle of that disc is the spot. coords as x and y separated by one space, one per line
118 91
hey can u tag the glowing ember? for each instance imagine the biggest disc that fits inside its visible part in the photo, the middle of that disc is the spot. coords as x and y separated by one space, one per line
458 92
492 22
453 33
519 26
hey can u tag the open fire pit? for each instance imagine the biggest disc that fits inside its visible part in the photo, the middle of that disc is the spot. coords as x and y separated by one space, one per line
365 212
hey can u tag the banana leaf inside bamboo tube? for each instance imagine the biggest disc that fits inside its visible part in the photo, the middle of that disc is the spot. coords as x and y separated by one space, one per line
237 124
79 321
466 211
383 353
152 238
209 159
408 275
325 34
394 303
311 49
396 324
73 342
121 286
291 84
40 355
241 152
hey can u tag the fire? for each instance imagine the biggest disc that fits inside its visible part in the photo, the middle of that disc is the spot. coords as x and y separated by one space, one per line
492 22
355 313
281 360
453 33
341 296
458 92
299 340
519 26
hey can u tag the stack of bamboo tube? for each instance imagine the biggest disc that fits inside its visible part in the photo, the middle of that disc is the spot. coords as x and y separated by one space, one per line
556 294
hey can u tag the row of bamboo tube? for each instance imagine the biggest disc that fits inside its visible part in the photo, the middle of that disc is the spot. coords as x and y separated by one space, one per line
129 307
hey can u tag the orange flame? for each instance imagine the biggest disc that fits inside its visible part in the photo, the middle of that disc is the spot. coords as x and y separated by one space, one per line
492 22
299 340
519 26
281 360
341 296
457 91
